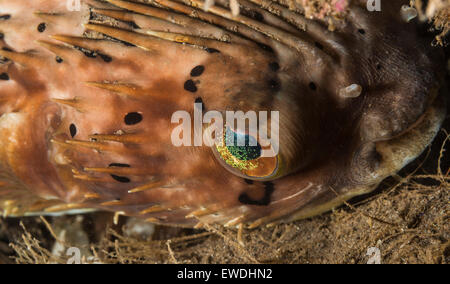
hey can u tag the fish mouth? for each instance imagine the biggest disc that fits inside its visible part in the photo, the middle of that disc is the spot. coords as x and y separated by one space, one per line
395 153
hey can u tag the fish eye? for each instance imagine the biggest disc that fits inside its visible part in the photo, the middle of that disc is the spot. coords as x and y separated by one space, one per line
242 154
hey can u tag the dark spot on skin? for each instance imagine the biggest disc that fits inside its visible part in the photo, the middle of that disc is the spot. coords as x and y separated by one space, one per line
274 85
5 17
133 118
4 59
318 45
121 179
94 139
269 188
89 54
93 54
379 67
133 25
59 59
248 181
265 47
119 165
41 27
274 66
198 71
4 76
200 101
105 57
190 86
312 86
118 40
73 130
2 36
212 50
256 15
127 43
362 31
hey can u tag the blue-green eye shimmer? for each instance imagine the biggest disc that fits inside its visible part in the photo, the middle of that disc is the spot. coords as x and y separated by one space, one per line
243 153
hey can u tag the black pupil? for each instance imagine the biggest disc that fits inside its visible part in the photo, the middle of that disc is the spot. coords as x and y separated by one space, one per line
244 153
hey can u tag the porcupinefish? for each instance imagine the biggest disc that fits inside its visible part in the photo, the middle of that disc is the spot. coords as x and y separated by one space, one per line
87 96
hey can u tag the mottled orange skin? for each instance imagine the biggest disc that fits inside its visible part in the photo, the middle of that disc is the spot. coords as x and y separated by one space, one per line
333 147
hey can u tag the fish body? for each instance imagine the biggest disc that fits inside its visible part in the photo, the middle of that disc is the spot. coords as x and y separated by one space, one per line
87 99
